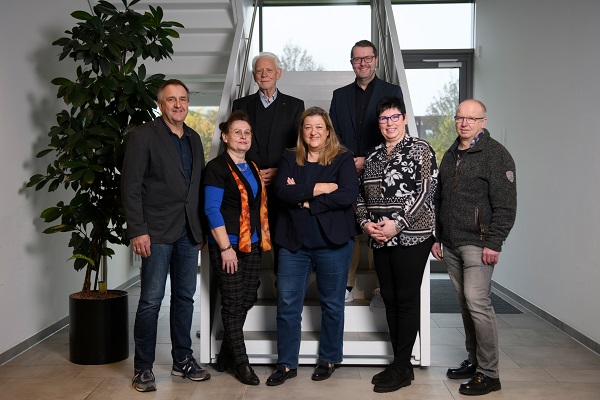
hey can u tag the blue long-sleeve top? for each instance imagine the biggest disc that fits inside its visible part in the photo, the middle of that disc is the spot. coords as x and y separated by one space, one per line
213 199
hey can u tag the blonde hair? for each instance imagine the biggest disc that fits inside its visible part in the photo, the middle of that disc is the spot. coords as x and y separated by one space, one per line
332 147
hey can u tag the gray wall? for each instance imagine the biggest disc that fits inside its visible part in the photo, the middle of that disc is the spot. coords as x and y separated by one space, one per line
537 72
35 276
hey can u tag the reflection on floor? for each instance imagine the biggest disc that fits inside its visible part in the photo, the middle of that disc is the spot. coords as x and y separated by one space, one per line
537 361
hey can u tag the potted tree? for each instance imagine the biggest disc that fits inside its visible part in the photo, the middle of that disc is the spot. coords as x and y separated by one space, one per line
110 95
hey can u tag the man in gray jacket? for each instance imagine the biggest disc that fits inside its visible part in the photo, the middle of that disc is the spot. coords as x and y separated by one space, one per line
475 205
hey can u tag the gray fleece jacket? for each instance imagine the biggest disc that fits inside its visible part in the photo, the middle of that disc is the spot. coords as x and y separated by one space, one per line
476 200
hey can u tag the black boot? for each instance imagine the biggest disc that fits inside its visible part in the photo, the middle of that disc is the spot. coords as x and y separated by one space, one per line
246 375
224 360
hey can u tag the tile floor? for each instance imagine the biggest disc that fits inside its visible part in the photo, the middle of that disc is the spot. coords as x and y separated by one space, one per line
537 362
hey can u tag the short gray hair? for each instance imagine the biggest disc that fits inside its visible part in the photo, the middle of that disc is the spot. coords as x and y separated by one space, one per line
266 54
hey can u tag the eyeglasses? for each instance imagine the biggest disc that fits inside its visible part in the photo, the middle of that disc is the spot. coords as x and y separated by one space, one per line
394 118
240 133
470 120
357 60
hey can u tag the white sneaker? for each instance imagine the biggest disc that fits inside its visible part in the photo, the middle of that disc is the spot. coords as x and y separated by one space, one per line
349 296
377 300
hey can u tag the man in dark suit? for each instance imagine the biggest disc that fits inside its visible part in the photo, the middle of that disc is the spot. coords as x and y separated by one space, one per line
160 186
274 117
354 119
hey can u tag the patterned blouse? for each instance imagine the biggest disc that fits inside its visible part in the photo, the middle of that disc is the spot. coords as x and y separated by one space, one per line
399 186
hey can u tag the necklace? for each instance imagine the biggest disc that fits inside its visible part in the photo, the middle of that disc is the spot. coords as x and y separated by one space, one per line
243 167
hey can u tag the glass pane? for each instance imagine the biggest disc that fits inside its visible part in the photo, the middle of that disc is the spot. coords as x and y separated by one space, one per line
434 96
321 34
203 120
434 26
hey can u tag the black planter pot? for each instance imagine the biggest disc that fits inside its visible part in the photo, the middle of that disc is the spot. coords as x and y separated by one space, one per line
99 329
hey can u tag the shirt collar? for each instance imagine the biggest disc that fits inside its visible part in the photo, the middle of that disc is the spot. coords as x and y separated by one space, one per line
267 101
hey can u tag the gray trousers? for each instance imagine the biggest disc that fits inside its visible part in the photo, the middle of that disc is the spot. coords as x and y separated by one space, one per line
472 280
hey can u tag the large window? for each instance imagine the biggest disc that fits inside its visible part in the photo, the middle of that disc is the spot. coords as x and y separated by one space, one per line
436 42
321 34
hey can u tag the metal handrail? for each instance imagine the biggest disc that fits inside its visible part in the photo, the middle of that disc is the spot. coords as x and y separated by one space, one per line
247 52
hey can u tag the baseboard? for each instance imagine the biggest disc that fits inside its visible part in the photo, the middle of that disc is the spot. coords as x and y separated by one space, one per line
52 329
33 340
575 334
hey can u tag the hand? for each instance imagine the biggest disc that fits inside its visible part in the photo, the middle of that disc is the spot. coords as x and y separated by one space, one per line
229 261
389 228
358 163
436 251
489 256
291 181
374 230
141 245
324 188
203 243
268 175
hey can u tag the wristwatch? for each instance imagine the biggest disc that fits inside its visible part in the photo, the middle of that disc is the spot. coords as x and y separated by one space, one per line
225 248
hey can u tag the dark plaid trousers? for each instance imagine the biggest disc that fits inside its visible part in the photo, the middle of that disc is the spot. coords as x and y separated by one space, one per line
238 293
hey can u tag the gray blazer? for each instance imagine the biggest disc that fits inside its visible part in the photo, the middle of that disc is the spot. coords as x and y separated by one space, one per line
156 197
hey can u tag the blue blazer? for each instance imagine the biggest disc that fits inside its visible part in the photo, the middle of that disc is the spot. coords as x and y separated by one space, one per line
343 116
334 211
156 197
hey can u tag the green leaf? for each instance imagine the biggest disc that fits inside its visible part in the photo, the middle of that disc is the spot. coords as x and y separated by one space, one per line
82 257
59 228
51 214
89 177
43 153
82 15
60 81
129 65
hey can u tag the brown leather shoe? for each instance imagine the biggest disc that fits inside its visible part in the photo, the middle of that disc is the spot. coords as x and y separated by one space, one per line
480 384
466 370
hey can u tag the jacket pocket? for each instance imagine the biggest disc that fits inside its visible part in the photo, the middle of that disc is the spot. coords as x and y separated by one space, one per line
479 224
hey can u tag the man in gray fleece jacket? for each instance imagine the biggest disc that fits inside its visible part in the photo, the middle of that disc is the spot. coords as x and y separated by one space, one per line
475 205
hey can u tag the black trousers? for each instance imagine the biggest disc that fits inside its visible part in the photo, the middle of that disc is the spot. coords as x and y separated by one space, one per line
238 292
400 272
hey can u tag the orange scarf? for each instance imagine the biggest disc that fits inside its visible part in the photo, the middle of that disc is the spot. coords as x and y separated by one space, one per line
244 244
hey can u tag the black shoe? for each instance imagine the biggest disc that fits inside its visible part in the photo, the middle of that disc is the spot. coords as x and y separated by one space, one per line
377 377
246 375
394 379
480 384
323 371
466 370
280 375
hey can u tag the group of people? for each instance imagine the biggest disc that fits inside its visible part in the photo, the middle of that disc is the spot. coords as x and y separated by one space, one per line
304 184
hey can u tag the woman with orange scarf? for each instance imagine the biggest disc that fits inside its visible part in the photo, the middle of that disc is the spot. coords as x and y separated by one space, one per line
236 209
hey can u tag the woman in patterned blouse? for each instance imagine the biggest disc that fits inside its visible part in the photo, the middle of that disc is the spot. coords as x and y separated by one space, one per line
395 208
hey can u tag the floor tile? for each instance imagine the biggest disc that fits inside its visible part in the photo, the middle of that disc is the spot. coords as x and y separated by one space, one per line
575 375
49 389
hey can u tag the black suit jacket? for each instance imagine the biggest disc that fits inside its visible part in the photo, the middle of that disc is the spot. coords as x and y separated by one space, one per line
284 130
334 211
343 116
156 196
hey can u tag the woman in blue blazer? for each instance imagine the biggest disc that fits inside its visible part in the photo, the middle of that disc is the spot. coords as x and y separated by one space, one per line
316 184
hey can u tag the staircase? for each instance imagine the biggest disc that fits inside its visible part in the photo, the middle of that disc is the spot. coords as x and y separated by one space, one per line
208 58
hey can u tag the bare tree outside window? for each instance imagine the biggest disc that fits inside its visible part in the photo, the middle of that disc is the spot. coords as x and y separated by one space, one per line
295 58
441 132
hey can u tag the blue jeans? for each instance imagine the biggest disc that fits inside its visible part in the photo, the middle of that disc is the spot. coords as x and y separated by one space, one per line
472 280
331 267
181 260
